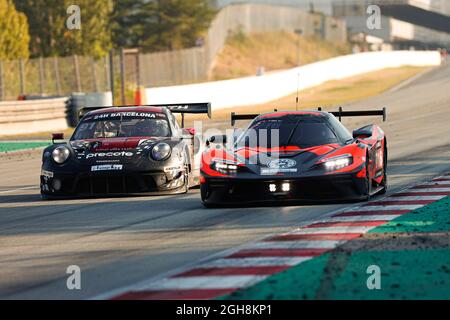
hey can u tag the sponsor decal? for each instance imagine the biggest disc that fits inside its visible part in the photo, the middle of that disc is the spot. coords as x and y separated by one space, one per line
282 164
109 154
128 115
174 168
269 171
107 167
46 173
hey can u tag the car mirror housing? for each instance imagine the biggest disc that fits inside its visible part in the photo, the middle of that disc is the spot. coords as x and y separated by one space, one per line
363 133
57 136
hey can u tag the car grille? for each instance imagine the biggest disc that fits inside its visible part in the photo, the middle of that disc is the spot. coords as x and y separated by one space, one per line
112 184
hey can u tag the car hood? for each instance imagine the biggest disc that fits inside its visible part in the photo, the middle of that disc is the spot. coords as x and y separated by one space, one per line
113 150
282 160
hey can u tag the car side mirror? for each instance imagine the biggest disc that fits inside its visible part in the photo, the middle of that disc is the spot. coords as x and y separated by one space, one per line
57 136
362 133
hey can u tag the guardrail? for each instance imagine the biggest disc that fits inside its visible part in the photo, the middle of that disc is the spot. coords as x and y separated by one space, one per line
24 117
263 89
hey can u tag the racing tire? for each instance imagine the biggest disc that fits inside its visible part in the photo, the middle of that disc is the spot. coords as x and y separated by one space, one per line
367 181
187 178
384 182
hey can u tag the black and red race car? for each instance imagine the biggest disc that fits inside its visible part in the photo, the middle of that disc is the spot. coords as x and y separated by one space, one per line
295 155
125 150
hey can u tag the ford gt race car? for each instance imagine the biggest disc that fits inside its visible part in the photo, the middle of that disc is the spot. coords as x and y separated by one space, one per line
295 155
124 150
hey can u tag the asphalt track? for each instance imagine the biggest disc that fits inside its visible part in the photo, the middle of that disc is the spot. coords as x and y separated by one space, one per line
121 241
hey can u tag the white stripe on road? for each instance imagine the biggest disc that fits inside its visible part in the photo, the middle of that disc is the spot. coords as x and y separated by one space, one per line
387 207
414 198
362 218
427 190
328 244
434 183
351 229
20 189
206 282
255 262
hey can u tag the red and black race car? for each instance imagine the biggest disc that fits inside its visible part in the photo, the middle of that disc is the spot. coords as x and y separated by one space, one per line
125 150
295 155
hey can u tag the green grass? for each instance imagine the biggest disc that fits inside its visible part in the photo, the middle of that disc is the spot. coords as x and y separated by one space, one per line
18 146
418 271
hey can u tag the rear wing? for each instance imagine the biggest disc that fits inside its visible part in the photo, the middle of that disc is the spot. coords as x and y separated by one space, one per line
235 117
365 113
339 114
86 110
181 108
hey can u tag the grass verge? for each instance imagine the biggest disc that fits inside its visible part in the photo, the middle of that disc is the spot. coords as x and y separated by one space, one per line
243 54
412 252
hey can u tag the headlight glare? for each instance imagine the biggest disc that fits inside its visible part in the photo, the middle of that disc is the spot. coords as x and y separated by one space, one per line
161 151
338 162
60 154
224 167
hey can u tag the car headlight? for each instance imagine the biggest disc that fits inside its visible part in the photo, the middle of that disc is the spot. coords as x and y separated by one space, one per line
161 151
338 162
224 167
61 154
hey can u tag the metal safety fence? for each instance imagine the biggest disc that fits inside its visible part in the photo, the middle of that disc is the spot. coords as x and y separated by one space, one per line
125 70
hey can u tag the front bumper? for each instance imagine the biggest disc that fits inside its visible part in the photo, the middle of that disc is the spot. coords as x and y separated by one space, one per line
339 187
87 184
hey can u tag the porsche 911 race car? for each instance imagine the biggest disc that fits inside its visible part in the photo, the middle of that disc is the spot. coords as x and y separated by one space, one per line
125 150
295 155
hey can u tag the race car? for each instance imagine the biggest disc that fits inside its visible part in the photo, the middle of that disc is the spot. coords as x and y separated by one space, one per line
125 150
295 155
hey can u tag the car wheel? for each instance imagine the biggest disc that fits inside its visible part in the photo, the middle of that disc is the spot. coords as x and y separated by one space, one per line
368 181
187 177
384 182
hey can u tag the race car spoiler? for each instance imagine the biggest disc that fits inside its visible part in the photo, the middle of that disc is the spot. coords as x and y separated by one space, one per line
182 108
365 113
235 117
340 114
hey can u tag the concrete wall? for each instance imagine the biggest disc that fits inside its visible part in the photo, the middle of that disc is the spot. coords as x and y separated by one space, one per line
24 117
263 89
194 64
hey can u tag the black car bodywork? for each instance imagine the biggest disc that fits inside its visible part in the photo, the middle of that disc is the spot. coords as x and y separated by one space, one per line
116 151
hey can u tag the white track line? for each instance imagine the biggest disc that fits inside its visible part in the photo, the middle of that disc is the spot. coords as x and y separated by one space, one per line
414 198
304 244
426 190
434 183
204 282
255 262
362 218
387 207
19 189
351 229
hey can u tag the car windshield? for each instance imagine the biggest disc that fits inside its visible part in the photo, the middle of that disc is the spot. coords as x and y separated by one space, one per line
122 124
287 131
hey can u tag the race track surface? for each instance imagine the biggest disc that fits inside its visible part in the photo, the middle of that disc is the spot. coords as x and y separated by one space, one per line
121 241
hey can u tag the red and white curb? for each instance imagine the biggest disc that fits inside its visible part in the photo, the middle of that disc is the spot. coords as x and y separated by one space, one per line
249 264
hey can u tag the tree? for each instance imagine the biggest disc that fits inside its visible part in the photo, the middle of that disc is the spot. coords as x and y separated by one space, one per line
50 35
175 24
129 19
14 37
